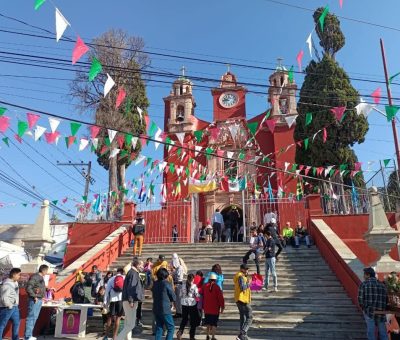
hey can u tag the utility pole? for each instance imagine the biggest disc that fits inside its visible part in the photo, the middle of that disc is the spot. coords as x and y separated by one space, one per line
86 175
389 94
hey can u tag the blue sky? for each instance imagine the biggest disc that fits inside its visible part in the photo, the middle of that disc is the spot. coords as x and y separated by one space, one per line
253 32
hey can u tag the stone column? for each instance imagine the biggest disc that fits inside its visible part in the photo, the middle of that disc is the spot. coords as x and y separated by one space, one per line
40 241
381 236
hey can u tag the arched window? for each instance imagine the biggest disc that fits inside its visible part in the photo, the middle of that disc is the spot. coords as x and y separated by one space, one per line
180 113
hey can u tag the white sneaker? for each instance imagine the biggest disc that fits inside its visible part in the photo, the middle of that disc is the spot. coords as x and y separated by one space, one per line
275 289
32 338
264 289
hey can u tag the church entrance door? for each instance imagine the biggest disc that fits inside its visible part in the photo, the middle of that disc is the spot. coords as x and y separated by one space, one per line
233 220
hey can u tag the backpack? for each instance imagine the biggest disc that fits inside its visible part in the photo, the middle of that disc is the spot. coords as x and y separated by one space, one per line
118 283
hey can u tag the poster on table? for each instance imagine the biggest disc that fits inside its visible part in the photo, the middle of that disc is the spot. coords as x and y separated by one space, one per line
71 321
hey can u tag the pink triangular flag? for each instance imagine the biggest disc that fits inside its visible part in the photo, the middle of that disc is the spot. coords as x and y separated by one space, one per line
338 112
271 125
79 50
220 153
120 141
324 135
376 95
94 131
4 123
51 137
18 138
300 58
64 200
357 166
32 119
214 132
120 98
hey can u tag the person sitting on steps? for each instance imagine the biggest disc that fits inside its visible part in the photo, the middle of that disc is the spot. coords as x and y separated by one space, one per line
301 234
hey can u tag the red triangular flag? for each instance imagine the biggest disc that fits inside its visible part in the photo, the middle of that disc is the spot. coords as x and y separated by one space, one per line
376 95
307 170
338 112
18 138
120 98
214 132
120 141
4 123
300 58
79 50
51 136
32 119
70 141
271 125
324 135
319 170
94 131
220 153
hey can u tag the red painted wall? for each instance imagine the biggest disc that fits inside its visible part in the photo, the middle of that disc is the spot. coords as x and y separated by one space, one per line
238 111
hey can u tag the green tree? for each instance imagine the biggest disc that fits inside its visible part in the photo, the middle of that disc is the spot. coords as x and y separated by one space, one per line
393 191
327 85
123 59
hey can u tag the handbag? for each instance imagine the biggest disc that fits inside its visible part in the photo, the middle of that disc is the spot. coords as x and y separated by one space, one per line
257 281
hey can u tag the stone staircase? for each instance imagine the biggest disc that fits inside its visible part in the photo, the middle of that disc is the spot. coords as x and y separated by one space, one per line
310 303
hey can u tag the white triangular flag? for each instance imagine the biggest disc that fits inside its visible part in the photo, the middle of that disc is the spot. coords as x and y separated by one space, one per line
229 154
233 129
286 165
183 155
61 24
140 111
157 138
315 135
290 120
185 181
39 131
83 144
179 170
114 152
29 133
108 85
54 123
134 142
180 136
111 134
328 170
197 148
309 43
140 159
161 166
95 143
364 108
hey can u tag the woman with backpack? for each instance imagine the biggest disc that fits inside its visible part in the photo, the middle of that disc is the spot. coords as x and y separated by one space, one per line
178 270
189 295
78 289
138 230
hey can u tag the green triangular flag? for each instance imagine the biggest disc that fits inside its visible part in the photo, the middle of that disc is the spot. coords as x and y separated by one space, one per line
54 202
125 191
306 144
314 171
74 128
187 171
294 167
241 155
128 139
391 111
393 76
2 110
331 172
267 114
386 162
171 168
95 69
191 160
122 154
208 152
322 17
252 127
198 135
308 118
25 204
153 129
107 141
179 152
84 198
291 75
22 128
38 4
5 140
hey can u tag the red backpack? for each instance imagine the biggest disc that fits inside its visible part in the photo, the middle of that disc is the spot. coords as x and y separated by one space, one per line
118 283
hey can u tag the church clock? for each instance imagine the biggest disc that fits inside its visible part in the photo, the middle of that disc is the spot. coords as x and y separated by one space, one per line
228 99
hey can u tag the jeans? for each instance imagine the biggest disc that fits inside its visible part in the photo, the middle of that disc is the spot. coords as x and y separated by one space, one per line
270 266
168 321
178 305
217 231
33 314
192 313
12 315
371 327
130 320
297 240
228 235
246 317
256 259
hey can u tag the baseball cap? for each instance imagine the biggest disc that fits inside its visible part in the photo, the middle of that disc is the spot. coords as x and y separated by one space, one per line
213 276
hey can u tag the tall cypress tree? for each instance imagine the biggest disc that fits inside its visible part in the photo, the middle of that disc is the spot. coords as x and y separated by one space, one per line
327 85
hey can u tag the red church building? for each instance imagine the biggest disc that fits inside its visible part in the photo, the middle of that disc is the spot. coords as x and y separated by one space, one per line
224 150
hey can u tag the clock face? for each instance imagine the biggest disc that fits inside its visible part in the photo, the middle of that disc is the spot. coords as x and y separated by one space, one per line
228 99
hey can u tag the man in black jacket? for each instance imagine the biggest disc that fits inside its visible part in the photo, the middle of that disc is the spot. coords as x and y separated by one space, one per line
36 290
132 293
270 261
